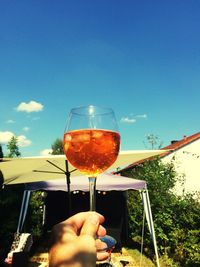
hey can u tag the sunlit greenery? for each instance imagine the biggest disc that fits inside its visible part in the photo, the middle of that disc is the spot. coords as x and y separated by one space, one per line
13 148
176 219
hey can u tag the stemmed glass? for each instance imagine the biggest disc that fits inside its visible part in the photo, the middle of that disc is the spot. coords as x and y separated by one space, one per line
91 143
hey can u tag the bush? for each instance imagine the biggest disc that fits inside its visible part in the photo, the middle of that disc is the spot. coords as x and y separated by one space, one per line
176 219
35 214
10 204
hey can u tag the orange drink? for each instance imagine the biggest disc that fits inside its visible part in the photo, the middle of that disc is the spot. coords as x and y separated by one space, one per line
91 151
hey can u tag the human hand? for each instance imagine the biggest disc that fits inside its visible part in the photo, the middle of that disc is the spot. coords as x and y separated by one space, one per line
74 241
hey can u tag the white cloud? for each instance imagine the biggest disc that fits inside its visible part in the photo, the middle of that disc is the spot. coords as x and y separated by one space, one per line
128 120
133 118
32 106
46 152
10 121
22 140
26 129
5 137
143 116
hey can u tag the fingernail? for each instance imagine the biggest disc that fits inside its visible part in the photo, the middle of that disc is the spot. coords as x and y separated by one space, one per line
94 219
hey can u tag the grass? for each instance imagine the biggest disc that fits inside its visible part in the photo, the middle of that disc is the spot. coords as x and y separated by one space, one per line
139 259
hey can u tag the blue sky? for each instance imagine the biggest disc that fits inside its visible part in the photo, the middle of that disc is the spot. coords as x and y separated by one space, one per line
140 57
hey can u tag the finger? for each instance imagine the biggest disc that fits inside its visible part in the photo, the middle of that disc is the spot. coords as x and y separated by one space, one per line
101 231
91 225
70 228
101 246
103 255
102 250
78 219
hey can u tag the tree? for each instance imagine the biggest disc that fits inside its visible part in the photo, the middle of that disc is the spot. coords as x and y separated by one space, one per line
13 148
57 147
176 219
153 141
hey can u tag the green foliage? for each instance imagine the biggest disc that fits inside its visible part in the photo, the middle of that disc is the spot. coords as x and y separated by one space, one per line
13 148
176 219
187 249
57 147
10 204
35 214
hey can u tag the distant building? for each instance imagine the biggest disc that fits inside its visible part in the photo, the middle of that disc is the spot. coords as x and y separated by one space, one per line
186 157
185 154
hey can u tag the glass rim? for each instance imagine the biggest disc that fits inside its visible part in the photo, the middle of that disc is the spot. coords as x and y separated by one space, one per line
90 110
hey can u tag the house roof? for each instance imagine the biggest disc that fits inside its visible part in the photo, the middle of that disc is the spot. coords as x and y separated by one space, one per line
175 145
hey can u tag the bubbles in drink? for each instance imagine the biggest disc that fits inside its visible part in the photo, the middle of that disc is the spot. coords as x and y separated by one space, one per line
91 151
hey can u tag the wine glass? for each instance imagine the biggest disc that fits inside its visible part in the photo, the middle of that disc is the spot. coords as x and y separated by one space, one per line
91 142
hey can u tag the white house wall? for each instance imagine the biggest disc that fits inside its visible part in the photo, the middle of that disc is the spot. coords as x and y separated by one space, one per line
187 163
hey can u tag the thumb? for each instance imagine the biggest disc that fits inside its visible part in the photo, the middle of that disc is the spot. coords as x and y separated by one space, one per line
90 225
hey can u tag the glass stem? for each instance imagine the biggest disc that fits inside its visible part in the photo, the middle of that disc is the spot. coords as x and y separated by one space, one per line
92 187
